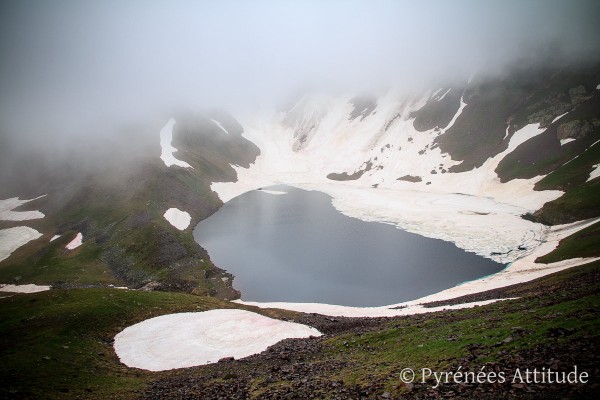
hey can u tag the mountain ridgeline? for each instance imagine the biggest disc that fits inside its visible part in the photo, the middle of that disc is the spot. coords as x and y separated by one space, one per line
116 196
117 201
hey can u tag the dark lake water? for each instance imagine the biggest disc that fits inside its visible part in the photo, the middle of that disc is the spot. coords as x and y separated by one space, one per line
297 247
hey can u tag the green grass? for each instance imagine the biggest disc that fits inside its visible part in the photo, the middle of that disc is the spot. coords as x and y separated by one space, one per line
438 344
585 243
573 173
579 203
58 343
43 262
103 211
111 204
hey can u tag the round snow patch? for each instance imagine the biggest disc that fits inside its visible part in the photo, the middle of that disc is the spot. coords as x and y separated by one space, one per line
190 339
179 219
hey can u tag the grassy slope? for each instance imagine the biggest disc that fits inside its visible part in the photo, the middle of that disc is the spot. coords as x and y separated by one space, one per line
579 203
42 262
119 208
437 112
103 211
581 200
585 243
58 343
525 96
438 344
573 173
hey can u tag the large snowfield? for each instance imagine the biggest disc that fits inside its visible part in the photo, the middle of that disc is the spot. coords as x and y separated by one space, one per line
190 339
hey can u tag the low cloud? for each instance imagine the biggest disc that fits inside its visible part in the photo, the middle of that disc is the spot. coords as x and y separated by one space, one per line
77 68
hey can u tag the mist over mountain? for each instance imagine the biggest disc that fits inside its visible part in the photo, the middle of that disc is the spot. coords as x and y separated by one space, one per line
443 149
75 70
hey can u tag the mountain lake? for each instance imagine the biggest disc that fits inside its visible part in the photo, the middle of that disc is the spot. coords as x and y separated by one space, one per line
296 247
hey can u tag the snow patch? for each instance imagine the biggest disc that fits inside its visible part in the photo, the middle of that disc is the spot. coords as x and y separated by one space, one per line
444 95
460 110
595 173
190 339
365 312
13 238
166 137
559 117
179 219
75 243
118 287
219 125
565 141
54 237
276 192
30 288
7 205
521 136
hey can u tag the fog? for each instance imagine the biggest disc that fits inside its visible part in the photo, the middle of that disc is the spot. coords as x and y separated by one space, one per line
74 68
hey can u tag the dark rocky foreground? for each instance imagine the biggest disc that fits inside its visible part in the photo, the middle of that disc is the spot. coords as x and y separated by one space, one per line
319 367
286 363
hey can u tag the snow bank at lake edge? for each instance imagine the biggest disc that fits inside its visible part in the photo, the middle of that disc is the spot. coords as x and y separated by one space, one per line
523 270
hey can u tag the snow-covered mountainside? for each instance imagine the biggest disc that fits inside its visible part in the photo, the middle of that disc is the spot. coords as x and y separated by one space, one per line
489 164
451 164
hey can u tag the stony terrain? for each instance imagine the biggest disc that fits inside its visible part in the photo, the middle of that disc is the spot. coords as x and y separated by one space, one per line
353 361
